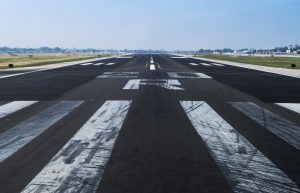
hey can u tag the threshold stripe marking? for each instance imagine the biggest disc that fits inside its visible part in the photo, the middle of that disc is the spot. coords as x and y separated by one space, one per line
15 138
291 106
15 106
244 166
281 127
79 165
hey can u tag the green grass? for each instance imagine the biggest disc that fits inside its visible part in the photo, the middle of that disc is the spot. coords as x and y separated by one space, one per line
279 62
38 60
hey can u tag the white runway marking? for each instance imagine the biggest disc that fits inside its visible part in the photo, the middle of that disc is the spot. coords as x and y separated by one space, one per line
246 168
216 64
178 57
125 57
291 106
187 75
205 64
194 64
12 107
79 165
151 60
119 75
109 64
281 127
169 84
86 64
152 67
22 73
17 137
98 64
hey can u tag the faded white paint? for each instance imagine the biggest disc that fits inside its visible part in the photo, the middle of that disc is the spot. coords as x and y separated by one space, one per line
79 165
119 75
98 64
125 57
169 84
15 106
178 57
151 60
244 166
205 64
281 127
216 64
291 106
187 75
86 64
17 137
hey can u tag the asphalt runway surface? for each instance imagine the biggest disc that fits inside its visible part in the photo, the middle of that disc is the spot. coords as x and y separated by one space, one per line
149 123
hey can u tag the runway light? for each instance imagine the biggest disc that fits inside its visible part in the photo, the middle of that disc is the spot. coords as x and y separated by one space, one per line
293 65
10 65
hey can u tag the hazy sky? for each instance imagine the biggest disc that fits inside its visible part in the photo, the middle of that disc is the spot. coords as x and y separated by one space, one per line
149 24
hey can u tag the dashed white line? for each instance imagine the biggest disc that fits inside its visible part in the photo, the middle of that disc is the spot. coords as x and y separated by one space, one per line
194 64
79 165
98 64
109 64
205 64
291 106
152 67
216 64
14 107
86 64
245 167
281 127
17 137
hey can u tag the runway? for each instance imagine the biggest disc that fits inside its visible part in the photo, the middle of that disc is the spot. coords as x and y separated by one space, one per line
149 123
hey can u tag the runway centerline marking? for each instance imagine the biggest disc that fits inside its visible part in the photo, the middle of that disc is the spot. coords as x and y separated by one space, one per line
244 166
15 106
79 165
109 64
169 84
282 128
152 67
194 64
17 137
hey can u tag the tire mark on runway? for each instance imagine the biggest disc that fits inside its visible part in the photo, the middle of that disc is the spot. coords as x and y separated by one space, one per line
15 106
17 137
79 165
244 166
284 129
